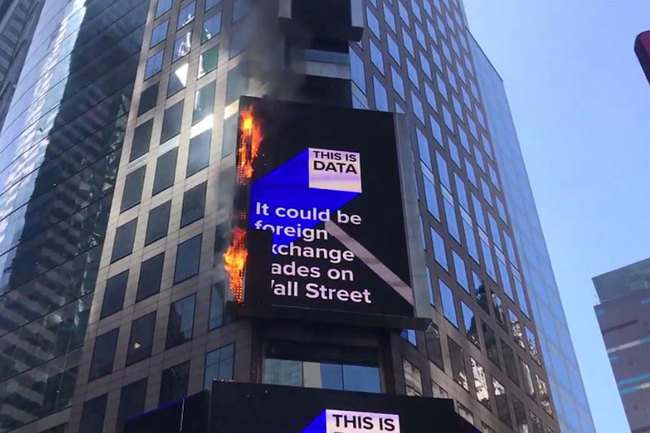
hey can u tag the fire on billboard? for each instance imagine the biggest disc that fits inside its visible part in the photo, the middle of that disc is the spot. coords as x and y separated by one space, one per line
319 224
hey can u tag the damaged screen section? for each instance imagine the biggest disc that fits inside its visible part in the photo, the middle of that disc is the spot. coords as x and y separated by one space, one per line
319 230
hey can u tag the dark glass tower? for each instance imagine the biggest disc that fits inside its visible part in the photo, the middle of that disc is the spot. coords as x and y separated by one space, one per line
114 294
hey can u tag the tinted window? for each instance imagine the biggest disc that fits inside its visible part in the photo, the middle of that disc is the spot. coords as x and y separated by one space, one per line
159 33
469 320
150 275
103 353
154 64
92 415
211 27
172 122
203 102
188 257
509 360
219 365
199 154
177 79
148 99
165 171
456 358
193 204
132 189
182 46
434 347
181 321
209 4
186 15
124 236
163 6
140 143
237 83
157 223
114 294
141 338
208 61
490 344
174 382
217 301
447 300
132 399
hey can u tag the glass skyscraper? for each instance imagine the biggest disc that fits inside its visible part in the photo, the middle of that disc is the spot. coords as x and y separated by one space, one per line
117 170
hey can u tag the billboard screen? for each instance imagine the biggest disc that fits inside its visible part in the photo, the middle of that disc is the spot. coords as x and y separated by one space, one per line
319 216
247 408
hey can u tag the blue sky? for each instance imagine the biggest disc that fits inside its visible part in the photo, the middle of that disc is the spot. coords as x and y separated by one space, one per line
581 105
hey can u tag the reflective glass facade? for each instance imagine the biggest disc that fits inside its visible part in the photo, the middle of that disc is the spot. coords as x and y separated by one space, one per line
557 349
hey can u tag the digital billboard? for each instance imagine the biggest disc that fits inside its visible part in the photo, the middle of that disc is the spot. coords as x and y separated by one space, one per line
249 408
319 224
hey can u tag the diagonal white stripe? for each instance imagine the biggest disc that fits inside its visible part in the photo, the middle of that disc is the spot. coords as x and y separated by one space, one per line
371 261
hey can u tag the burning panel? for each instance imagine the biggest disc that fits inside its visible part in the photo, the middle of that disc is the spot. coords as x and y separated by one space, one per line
319 225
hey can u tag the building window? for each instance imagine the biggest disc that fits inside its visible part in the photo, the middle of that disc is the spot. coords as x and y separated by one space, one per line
438 391
148 100
460 270
439 250
219 365
132 189
186 15
177 79
181 321
447 301
188 256
357 71
208 61
471 324
132 399
431 198
165 171
523 304
171 125
217 302
174 382
373 23
203 103
398 83
154 64
393 49
537 423
123 244
209 4
503 409
499 312
410 336
182 46
434 346
532 345
417 107
487 429
412 379
544 397
450 213
528 379
199 153
103 354
141 140
381 98
517 329
237 83
141 339
481 293
92 415
211 27
457 360
480 383
520 416
114 294
240 9
505 278
150 276
509 360
465 413
491 344
376 57
159 33
158 223
327 367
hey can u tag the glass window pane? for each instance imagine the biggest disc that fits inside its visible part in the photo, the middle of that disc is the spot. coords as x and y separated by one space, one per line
361 378
103 354
188 256
193 204
471 326
544 397
434 346
124 236
163 6
211 27
132 399
499 311
460 270
154 64
141 140
199 153
439 250
412 379
490 344
381 97
159 33
208 61
158 223
283 372
517 329
357 70
203 102
219 365
114 294
237 83
92 414
165 171
181 321
177 79
509 360
186 15
528 379
457 360
240 9
141 339
171 122
503 409
182 46
480 383
217 303
447 300
174 382
150 276
132 189
148 98
209 4
431 199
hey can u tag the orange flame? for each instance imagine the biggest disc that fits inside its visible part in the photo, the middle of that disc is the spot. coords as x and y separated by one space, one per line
235 261
249 145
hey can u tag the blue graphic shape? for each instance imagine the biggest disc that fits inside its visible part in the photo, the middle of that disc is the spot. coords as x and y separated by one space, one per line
287 187
318 425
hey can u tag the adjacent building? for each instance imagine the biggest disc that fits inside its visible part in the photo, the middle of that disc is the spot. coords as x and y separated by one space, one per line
623 318
117 187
